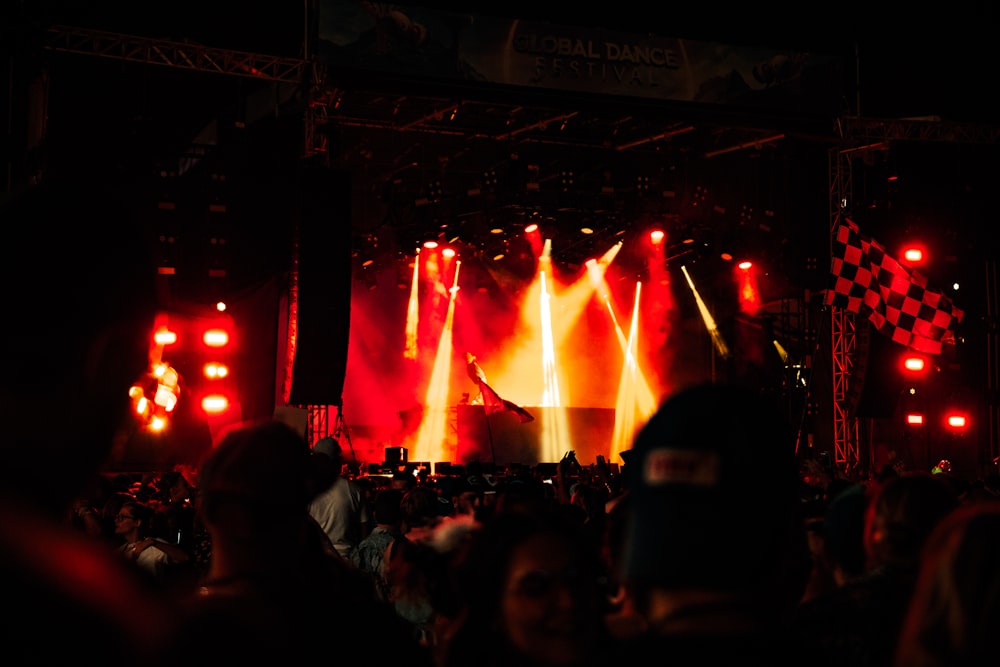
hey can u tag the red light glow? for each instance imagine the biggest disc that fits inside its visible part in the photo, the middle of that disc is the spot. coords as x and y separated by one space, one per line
956 422
214 404
216 338
215 371
749 294
165 337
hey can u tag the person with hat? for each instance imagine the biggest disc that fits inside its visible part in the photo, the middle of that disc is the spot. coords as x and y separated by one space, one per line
715 556
340 506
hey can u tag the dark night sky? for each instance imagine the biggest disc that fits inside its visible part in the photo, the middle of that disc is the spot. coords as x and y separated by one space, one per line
912 62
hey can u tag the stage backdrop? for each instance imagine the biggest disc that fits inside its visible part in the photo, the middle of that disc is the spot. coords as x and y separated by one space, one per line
503 439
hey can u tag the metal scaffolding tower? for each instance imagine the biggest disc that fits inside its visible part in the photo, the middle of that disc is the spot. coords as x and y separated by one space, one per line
861 136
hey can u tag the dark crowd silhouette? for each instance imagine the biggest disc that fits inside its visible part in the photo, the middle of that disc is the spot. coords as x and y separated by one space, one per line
711 543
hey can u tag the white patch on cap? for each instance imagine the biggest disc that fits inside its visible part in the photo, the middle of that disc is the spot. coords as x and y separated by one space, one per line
681 466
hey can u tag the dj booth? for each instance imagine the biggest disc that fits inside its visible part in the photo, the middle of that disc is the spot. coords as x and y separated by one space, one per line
503 439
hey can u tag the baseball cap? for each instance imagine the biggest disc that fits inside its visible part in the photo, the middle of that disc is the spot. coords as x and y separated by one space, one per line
329 446
714 488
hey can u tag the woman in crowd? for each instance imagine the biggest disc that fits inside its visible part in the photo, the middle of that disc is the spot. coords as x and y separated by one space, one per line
154 557
532 589
955 608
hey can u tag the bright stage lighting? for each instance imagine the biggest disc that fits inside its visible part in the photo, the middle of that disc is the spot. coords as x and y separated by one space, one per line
431 443
713 330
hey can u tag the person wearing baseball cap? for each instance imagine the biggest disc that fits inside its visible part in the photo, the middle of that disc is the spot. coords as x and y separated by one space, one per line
339 505
715 553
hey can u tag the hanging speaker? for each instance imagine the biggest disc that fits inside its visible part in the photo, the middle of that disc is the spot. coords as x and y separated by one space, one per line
324 287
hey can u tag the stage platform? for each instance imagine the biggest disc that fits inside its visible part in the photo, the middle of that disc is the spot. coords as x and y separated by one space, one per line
503 439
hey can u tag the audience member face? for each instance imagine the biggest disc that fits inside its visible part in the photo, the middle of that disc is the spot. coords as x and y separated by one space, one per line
549 604
126 521
179 490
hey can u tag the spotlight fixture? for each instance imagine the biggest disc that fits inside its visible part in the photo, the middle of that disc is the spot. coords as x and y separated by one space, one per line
913 254
699 197
567 180
435 191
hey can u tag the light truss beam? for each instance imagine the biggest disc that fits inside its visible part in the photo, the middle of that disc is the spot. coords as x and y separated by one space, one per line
180 55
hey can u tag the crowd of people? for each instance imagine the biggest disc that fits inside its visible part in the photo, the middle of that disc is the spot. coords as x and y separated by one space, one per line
713 545
708 548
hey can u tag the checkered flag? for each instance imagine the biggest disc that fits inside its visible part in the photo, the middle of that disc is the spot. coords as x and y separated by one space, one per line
896 299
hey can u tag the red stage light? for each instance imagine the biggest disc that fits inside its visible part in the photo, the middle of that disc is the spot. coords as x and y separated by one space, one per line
214 404
956 421
914 363
216 338
913 254
215 370
165 337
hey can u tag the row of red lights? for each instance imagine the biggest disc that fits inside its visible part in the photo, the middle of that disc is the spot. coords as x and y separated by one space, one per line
914 366
155 397
912 254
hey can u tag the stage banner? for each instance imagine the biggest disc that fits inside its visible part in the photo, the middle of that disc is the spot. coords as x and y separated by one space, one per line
425 43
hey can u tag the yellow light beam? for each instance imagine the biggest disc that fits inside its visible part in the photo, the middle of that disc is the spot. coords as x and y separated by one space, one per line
413 311
431 443
550 395
553 441
635 402
713 330
644 393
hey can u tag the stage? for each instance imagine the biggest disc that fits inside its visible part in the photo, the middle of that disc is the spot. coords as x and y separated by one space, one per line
501 438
